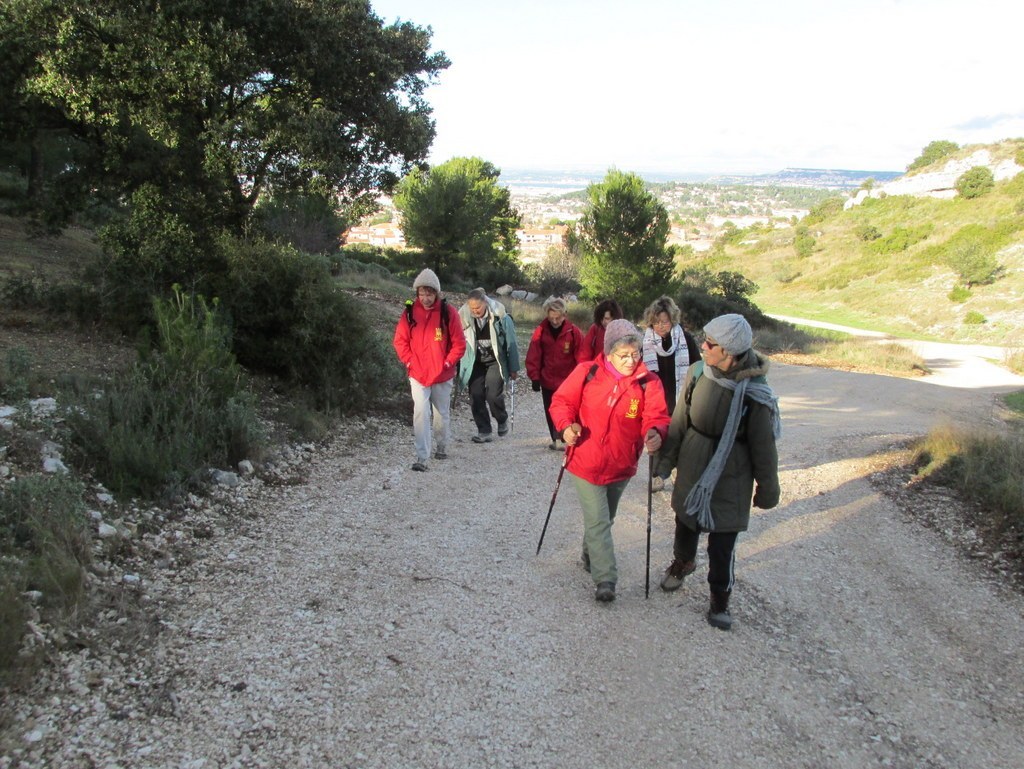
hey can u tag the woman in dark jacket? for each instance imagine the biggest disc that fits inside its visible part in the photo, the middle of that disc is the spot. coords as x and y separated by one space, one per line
555 348
722 445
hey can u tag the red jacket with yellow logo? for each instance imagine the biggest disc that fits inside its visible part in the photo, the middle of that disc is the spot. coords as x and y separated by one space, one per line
615 414
550 357
432 346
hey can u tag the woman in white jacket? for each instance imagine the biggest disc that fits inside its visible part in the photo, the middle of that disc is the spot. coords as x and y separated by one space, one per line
668 348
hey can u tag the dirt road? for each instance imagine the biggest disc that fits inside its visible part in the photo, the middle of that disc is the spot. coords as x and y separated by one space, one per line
377 617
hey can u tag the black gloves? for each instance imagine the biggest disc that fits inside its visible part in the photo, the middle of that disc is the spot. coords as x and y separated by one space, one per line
535 383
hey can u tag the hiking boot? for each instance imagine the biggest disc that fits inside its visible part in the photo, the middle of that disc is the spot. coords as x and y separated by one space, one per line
419 467
674 575
553 445
605 592
718 612
503 428
440 454
483 438
585 559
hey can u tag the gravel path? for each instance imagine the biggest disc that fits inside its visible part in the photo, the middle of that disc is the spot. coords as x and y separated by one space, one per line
377 617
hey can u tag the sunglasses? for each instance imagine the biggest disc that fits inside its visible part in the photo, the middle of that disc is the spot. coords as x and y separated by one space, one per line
711 345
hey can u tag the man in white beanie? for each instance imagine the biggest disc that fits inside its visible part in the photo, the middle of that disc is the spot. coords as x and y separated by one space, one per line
429 342
721 444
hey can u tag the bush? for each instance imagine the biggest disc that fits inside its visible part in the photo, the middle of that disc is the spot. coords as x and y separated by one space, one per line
959 294
291 320
44 546
975 182
803 245
970 254
181 408
558 274
868 232
826 209
974 318
983 467
15 377
900 239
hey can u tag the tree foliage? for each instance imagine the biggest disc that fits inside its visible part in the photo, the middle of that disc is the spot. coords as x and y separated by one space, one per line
623 235
224 100
462 219
933 153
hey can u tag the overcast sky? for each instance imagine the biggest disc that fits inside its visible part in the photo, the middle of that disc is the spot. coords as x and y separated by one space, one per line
745 86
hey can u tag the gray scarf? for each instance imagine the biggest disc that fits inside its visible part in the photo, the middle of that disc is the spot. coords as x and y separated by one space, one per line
698 501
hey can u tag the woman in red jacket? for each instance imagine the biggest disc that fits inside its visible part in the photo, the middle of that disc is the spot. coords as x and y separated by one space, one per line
604 313
608 411
555 348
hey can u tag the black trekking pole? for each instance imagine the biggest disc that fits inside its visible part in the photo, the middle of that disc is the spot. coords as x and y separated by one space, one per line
554 494
650 489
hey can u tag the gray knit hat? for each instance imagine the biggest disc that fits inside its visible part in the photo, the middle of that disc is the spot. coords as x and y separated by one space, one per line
616 331
427 279
731 332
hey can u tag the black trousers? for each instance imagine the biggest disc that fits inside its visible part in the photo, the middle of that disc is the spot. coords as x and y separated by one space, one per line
721 554
546 395
487 391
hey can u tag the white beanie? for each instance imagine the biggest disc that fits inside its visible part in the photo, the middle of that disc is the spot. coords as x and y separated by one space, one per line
427 279
731 332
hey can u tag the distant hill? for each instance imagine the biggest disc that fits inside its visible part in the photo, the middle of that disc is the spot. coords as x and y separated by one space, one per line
901 261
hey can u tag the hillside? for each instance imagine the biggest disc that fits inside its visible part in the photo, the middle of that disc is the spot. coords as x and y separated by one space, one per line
884 264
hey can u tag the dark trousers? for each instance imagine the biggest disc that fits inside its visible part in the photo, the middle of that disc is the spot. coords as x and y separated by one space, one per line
487 389
721 555
546 395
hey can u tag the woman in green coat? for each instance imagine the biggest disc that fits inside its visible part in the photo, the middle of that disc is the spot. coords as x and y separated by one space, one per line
722 445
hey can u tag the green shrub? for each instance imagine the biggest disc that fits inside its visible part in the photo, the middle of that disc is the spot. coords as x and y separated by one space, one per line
182 408
868 232
975 182
43 525
291 320
974 318
804 244
959 294
15 375
824 210
969 254
45 545
982 466
1014 360
900 239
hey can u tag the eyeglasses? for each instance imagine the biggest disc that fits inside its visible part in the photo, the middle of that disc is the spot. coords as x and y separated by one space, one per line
627 356
711 345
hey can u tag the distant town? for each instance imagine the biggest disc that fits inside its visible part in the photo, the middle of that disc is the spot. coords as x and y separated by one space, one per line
699 208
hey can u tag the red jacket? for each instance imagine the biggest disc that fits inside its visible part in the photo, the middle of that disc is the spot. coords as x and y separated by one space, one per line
593 342
551 358
430 350
616 415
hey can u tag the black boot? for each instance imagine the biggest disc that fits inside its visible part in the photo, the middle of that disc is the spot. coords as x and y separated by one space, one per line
718 613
